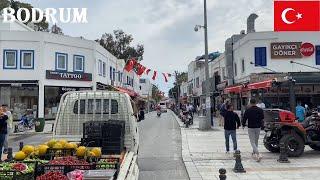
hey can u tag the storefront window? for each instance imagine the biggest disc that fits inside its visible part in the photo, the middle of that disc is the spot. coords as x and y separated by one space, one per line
20 99
52 96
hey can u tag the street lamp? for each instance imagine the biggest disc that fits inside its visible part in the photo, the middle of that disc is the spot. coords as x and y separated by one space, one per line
206 123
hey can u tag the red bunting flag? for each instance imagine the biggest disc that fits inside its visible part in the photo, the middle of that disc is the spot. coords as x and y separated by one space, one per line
140 69
154 75
165 77
130 64
147 71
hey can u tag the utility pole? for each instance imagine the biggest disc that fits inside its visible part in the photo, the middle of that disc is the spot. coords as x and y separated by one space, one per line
207 123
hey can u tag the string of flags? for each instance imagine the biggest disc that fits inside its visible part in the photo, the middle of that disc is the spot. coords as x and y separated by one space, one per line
133 64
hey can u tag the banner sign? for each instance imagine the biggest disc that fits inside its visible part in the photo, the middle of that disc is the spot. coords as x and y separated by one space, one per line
286 50
68 76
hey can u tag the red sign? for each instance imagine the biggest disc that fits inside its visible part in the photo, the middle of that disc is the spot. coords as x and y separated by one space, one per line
296 15
307 49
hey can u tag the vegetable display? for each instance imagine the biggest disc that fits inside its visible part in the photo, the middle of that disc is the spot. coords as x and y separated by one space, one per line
52 176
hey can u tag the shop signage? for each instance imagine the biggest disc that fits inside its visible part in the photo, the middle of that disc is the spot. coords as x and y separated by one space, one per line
68 76
285 50
307 49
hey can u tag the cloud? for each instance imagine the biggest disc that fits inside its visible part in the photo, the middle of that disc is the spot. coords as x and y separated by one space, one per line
165 27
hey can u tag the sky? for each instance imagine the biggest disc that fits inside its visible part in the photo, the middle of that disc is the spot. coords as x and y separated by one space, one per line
166 27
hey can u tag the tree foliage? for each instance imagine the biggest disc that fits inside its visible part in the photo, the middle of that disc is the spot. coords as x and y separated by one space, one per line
42 26
156 93
119 44
180 78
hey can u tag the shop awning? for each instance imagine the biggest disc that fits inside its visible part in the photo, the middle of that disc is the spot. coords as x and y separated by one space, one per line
233 89
128 91
260 85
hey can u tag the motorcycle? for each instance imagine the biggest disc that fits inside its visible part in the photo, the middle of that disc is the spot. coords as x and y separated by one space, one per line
187 118
158 113
26 122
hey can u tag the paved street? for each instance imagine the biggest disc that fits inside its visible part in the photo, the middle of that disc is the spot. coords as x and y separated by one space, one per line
204 153
160 149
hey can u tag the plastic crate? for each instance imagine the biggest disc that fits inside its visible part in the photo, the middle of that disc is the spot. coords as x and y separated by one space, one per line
15 175
91 142
65 169
92 129
52 153
113 128
112 147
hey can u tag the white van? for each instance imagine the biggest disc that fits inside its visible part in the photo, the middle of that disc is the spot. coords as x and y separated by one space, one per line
163 105
79 107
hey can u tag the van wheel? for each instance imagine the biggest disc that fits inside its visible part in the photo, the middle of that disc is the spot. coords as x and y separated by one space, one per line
294 143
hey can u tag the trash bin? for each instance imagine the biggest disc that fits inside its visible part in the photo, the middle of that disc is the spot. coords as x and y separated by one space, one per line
39 124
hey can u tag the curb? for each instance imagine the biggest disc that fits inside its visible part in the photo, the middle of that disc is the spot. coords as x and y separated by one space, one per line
28 133
191 168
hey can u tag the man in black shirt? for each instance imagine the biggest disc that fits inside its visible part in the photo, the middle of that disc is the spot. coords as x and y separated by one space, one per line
254 115
3 129
232 122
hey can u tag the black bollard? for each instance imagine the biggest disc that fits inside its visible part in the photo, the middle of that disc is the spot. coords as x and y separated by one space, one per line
20 145
9 156
283 157
222 174
238 167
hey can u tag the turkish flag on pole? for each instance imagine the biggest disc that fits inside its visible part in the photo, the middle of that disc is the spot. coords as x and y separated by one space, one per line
165 77
140 69
154 75
296 15
130 64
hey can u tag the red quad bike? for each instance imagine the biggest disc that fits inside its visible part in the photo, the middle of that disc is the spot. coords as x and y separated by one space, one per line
281 127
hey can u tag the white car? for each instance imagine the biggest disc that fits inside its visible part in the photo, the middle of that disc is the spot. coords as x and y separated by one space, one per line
163 106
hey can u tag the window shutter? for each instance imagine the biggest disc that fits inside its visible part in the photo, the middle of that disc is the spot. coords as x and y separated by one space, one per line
317 55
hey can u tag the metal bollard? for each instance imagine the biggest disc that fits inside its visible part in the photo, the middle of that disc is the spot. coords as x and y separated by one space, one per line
20 145
222 174
283 157
9 156
238 167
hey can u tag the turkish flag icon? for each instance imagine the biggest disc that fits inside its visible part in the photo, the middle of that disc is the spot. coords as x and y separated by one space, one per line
296 15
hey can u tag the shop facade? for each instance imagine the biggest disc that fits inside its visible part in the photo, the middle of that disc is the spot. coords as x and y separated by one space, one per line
37 68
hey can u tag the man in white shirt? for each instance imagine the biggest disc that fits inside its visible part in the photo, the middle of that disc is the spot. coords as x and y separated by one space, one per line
9 127
261 104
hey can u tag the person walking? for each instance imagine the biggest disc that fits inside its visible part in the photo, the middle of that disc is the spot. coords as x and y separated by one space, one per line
254 115
300 112
232 122
9 126
3 129
222 111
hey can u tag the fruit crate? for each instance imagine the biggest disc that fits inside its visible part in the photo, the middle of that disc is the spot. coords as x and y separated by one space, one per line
17 175
65 169
53 153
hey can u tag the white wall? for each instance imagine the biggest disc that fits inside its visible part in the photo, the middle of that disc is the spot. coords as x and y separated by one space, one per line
244 49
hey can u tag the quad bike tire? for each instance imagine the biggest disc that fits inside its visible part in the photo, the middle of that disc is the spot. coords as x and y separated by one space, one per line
294 143
315 147
274 148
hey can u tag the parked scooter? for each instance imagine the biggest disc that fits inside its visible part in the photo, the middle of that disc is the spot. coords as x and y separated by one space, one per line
26 122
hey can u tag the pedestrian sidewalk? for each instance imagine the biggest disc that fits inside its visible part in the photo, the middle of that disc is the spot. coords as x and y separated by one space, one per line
203 153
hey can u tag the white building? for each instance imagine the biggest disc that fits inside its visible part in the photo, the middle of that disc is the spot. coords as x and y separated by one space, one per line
38 67
254 60
196 76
